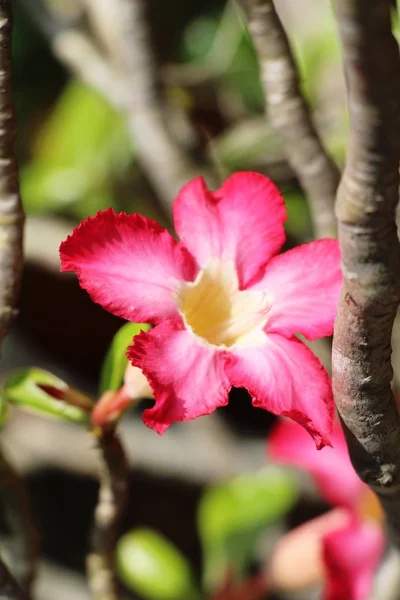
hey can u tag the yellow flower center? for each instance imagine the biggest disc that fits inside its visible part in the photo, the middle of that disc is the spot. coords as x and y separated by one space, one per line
216 310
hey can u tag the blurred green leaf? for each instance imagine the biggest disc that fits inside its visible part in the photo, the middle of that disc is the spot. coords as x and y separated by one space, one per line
115 363
233 515
152 566
40 391
78 151
199 36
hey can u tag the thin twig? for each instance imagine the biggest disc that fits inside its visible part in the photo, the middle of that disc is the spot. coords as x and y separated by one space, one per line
114 476
366 205
290 115
15 499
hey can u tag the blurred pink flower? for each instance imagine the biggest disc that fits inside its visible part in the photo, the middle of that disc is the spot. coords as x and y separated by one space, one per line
226 308
351 556
331 468
347 545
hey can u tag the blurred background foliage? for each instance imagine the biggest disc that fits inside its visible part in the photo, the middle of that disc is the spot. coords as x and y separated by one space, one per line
76 156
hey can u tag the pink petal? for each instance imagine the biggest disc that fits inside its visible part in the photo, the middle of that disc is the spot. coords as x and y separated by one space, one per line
304 286
242 221
186 375
285 377
128 264
330 467
296 560
351 556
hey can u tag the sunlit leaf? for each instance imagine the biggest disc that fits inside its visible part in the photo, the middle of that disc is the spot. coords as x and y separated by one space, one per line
42 392
115 363
152 566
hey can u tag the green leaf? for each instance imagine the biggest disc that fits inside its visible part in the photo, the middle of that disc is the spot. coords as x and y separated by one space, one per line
150 565
232 516
40 391
115 363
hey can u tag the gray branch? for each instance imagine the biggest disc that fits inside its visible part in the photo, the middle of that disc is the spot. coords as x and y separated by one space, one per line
16 502
366 205
114 477
11 213
290 115
11 256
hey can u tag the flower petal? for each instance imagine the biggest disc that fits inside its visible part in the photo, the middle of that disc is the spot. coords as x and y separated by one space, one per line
304 285
285 377
242 221
351 556
331 468
187 376
296 559
128 264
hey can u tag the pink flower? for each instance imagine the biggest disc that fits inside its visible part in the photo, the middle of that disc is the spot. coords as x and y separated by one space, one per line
331 468
226 308
351 556
347 544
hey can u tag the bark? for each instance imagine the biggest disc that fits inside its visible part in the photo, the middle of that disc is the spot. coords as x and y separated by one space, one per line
114 475
11 213
17 507
11 257
290 115
366 205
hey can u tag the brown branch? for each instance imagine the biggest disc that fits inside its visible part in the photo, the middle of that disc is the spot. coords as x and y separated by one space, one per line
290 115
11 213
366 205
114 476
15 499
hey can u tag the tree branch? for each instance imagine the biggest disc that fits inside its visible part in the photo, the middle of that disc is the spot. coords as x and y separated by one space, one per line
366 205
15 499
128 41
11 213
11 257
290 115
113 492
